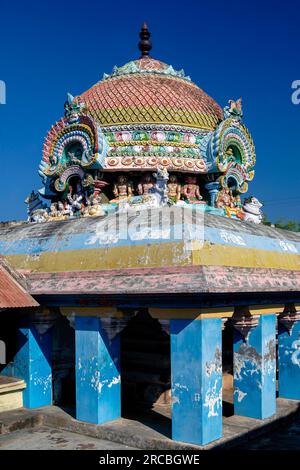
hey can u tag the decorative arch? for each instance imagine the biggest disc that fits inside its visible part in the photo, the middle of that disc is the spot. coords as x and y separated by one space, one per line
63 134
231 149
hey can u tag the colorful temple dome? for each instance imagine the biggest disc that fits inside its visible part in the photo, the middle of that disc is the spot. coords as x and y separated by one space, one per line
147 91
142 118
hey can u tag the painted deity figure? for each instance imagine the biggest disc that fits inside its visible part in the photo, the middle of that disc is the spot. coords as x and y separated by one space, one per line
93 206
75 157
122 189
191 191
224 198
57 211
145 185
174 189
231 205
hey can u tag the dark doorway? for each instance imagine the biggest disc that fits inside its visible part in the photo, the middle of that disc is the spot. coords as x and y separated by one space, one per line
227 362
146 372
63 364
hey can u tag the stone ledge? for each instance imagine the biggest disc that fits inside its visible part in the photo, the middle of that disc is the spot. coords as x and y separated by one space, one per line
11 396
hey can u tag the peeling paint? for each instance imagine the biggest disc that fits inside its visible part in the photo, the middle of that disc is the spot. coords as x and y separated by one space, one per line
255 371
296 353
213 399
240 395
215 366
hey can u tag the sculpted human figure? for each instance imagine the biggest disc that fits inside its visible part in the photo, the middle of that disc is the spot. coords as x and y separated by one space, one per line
122 188
231 204
174 189
145 185
224 198
191 190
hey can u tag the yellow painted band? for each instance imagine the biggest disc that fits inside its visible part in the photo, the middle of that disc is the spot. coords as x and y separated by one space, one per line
216 312
104 312
155 255
224 255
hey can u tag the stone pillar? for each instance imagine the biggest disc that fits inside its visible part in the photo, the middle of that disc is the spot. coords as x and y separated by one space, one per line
196 363
289 354
213 189
33 360
98 381
254 363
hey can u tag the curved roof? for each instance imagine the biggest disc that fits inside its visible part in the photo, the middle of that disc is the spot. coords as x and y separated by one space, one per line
75 257
147 91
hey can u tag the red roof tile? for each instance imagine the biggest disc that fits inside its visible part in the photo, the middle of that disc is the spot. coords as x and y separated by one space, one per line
12 293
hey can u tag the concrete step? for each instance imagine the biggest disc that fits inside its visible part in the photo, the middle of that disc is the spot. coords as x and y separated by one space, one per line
11 393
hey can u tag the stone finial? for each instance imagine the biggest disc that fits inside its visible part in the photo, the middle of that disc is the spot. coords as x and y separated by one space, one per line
145 44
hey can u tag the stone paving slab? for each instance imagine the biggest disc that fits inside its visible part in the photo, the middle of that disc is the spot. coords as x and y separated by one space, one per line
45 438
152 431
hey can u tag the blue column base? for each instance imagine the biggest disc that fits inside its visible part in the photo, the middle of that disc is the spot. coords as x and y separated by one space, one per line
32 363
98 382
289 362
196 361
255 370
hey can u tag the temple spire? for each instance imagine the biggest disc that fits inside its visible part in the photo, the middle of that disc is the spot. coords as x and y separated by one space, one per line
145 44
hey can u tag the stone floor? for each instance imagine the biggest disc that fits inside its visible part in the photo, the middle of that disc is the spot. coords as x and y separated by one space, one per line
51 427
283 439
45 438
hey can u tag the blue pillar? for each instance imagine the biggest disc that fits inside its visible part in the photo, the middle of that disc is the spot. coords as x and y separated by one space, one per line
98 382
213 189
289 360
32 363
196 363
255 370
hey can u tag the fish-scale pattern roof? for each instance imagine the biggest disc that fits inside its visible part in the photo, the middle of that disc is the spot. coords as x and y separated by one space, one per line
151 95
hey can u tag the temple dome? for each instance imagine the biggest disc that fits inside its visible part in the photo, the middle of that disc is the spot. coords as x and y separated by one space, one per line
147 91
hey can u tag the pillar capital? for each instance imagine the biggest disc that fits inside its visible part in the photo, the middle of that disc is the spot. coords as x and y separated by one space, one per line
113 320
43 320
289 317
244 322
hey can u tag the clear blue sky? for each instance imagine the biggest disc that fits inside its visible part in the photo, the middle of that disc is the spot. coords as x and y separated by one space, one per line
230 49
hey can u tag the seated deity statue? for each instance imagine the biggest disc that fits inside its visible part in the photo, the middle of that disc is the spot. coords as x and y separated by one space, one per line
53 210
122 189
174 189
145 184
224 198
191 191
231 204
56 211
93 206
